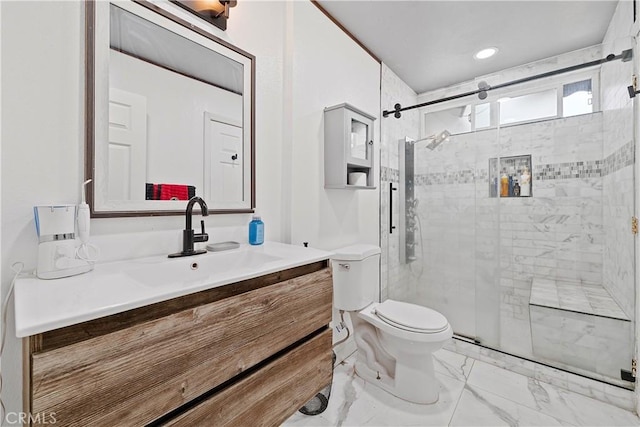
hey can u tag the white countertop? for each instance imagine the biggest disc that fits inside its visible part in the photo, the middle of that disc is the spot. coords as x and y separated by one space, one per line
45 305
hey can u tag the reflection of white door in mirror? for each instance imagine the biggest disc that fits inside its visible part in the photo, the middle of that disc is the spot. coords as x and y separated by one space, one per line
127 145
223 163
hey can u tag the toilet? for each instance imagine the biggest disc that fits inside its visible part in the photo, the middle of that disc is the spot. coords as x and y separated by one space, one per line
395 340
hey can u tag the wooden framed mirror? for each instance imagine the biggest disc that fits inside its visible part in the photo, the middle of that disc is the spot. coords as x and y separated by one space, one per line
169 114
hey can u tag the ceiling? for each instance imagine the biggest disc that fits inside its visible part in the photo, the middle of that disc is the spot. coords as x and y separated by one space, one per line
430 44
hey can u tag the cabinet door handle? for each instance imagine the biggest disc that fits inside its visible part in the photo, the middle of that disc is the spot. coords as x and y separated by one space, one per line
234 157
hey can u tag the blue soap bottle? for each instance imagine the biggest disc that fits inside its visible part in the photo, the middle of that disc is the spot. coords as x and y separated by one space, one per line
256 231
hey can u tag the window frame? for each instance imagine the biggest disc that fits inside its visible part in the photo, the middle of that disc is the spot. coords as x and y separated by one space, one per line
527 88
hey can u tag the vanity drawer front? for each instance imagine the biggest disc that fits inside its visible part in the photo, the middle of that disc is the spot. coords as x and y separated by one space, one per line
271 394
135 375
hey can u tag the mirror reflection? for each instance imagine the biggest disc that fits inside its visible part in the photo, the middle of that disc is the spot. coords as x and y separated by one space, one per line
173 115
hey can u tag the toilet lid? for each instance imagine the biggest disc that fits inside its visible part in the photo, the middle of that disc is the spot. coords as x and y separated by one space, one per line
411 317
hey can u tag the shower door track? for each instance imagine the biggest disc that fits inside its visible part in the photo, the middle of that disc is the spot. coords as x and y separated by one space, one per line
477 343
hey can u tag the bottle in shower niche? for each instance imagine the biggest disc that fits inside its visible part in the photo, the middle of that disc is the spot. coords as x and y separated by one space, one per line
516 188
493 187
525 183
256 231
504 185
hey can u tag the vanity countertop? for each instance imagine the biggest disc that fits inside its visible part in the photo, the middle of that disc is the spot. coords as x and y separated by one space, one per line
115 287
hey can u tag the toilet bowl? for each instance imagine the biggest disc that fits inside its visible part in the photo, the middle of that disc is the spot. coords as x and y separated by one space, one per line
395 340
411 342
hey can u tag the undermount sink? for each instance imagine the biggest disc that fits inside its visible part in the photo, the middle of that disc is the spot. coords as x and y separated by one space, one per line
201 268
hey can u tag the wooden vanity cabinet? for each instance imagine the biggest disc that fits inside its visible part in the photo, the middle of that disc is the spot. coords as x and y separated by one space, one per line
249 353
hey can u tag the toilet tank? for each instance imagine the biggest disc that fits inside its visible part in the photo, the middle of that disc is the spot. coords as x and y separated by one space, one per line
356 276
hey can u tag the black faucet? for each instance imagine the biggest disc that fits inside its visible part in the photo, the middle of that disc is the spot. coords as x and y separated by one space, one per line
188 236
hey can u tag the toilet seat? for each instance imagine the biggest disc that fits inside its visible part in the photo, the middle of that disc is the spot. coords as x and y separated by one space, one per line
392 327
411 317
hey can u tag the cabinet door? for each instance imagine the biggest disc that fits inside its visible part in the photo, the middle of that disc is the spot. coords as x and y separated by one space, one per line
359 139
269 395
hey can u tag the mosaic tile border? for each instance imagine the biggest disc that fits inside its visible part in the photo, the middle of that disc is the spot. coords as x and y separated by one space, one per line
389 174
568 170
623 157
465 176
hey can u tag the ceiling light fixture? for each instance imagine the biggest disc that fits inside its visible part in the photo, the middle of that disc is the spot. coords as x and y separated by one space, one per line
486 53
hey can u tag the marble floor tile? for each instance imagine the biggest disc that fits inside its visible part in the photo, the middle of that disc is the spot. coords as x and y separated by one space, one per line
452 364
472 393
478 407
392 411
564 405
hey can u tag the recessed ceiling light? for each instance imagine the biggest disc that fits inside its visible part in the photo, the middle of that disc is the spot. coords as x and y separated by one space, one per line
486 53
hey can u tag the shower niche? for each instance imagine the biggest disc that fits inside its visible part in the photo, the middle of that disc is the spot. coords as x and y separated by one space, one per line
510 176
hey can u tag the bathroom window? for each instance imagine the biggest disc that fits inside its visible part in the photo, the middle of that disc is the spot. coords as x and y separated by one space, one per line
577 98
550 98
455 120
528 107
483 115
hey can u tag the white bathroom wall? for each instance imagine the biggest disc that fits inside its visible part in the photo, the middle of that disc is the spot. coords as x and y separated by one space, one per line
42 136
329 69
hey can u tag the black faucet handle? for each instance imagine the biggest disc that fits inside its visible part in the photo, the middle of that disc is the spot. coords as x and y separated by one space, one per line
202 237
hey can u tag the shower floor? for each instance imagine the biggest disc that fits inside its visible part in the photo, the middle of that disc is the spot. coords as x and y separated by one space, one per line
472 393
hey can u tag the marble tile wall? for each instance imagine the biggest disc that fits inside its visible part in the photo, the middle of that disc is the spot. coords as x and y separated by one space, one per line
618 197
396 280
481 254
618 203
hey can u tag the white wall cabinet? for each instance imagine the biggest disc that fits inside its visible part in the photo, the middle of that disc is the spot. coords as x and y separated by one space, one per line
348 148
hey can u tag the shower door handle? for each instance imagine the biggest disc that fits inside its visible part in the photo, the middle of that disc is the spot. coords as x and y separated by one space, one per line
391 190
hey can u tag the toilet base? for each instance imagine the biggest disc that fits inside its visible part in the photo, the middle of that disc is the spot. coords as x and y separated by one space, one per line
416 386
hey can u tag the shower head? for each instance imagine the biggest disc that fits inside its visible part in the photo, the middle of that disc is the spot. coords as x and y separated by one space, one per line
437 139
